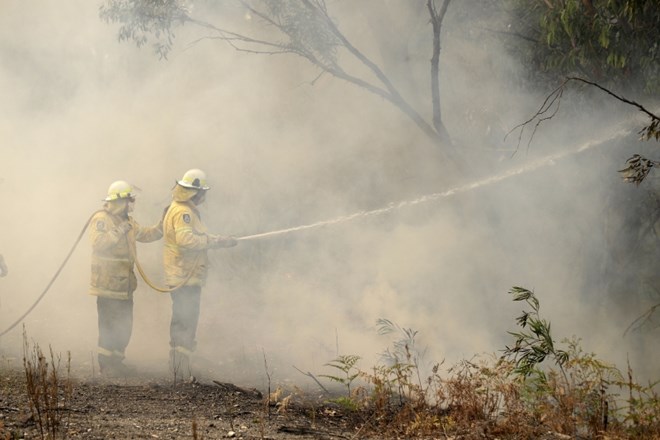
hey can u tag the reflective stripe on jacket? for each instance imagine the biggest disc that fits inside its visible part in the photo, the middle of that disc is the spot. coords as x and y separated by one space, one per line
112 262
186 244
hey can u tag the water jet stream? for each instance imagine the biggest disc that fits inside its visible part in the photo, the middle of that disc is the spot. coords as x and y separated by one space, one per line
540 163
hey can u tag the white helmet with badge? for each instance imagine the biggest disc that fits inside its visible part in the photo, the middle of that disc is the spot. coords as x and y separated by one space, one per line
195 179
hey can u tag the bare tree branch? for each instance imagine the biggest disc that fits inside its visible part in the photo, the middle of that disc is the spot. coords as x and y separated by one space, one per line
609 92
309 33
552 101
393 94
638 167
642 319
313 378
389 92
436 22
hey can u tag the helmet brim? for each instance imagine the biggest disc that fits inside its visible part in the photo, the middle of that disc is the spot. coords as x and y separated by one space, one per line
112 199
187 185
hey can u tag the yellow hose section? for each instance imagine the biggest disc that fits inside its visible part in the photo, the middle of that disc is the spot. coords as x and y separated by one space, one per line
131 246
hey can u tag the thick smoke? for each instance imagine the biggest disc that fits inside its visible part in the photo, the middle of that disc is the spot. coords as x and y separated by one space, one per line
283 148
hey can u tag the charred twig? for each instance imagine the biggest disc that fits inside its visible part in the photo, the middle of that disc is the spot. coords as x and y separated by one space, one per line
304 430
269 382
314 378
642 319
231 388
552 101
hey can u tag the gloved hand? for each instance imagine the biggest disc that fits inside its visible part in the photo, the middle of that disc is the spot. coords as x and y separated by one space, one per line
124 227
3 267
218 241
230 242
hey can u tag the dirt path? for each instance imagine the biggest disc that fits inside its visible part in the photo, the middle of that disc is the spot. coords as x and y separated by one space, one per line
151 408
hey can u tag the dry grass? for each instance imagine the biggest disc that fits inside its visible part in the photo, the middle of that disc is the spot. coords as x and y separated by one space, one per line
484 398
538 389
48 389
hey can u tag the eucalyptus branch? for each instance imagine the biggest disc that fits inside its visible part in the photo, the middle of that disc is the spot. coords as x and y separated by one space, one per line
532 347
638 167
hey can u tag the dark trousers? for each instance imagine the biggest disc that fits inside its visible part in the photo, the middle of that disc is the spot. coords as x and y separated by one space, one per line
185 316
115 325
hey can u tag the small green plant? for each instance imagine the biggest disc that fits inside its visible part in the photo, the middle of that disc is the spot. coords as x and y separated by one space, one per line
398 399
532 347
404 356
400 374
346 365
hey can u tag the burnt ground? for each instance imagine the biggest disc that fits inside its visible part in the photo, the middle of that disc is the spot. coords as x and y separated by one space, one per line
144 407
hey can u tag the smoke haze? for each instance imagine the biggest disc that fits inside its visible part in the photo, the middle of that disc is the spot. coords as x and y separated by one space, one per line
282 149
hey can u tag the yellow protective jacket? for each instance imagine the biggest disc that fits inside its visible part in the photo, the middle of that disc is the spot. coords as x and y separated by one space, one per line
186 242
112 260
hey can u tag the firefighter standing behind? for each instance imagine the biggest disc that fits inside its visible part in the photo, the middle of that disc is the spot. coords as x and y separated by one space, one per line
185 260
113 234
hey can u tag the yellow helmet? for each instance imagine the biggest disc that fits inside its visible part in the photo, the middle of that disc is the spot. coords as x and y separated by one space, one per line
119 190
195 179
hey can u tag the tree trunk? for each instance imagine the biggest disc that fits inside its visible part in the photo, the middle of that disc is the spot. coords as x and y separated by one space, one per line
436 21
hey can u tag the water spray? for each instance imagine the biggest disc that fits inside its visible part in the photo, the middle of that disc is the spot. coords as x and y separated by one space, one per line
532 166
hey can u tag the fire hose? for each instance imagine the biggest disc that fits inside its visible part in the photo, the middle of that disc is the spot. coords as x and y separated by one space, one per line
52 280
131 246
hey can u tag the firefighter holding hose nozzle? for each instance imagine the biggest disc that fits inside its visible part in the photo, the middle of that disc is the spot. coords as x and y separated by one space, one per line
185 262
113 233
